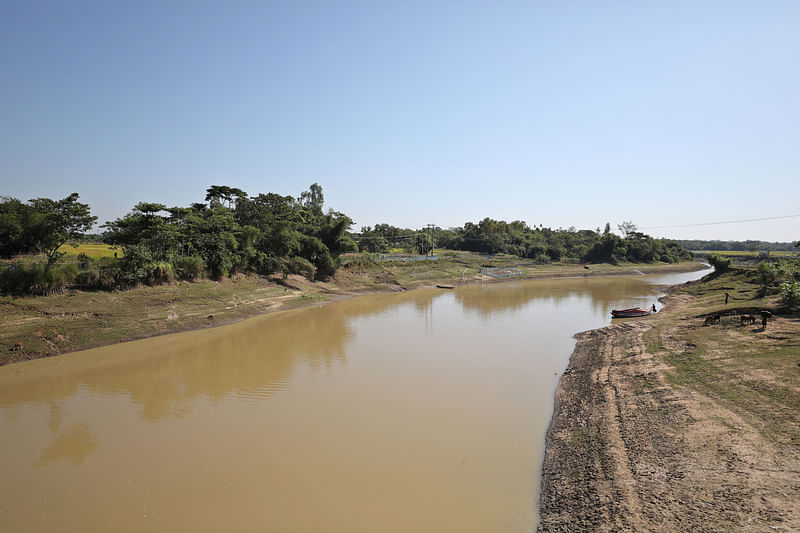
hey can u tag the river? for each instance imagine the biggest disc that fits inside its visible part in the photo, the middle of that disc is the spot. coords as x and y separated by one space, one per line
419 411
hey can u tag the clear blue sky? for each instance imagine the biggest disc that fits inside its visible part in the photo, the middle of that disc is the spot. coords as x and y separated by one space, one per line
556 113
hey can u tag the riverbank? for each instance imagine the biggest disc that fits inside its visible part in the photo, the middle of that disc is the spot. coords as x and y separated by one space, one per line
43 326
664 424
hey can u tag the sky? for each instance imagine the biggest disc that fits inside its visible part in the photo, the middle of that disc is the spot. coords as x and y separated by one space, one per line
566 114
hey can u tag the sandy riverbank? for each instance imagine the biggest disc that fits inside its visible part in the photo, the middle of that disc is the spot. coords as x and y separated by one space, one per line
663 424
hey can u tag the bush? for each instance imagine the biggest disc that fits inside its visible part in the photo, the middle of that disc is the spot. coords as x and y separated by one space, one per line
83 261
542 259
189 267
269 264
790 293
780 277
365 260
35 278
767 273
161 272
556 252
136 265
102 274
302 266
719 263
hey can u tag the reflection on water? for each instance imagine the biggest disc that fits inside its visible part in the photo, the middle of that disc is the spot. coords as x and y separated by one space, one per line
424 410
163 375
73 445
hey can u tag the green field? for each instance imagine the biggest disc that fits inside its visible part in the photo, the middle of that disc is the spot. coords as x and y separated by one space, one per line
743 253
93 251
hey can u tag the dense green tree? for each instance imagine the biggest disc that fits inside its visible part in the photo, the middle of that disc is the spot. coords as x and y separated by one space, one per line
538 243
59 222
219 194
234 232
313 199
42 225
738 246
145 226
15 216
371 241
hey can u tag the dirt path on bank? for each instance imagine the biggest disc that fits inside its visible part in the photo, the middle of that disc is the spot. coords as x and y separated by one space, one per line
629 450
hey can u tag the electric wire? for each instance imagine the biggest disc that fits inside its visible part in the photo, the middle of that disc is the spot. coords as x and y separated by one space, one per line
719 223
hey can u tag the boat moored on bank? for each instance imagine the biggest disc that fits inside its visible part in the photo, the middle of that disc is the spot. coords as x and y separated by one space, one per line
630 313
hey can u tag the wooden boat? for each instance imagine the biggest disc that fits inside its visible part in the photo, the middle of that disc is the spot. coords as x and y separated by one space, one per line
628 313
443 286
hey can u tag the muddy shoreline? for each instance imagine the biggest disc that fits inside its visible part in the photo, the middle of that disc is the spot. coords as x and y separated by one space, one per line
627 450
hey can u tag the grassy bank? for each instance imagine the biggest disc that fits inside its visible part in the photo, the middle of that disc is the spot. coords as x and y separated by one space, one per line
42 326
749 369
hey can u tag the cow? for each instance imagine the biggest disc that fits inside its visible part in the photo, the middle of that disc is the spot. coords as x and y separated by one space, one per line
747 319
709 320
17 347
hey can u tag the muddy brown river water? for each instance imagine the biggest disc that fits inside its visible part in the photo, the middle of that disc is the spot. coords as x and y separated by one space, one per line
420 411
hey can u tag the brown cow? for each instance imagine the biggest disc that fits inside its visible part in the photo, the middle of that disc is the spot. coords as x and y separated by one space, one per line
709 320
747 319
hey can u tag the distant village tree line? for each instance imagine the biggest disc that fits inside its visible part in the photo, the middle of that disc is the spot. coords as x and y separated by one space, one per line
232 231
539 243
738 246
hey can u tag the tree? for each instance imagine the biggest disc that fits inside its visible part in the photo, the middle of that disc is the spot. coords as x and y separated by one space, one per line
144 226
313 198
217 194
14 219
627 228
61 221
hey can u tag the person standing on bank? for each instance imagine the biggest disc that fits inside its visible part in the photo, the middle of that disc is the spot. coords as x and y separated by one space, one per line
764 316
726 298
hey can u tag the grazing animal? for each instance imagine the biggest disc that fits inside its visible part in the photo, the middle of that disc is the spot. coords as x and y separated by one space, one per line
709 320
747 319
717 318
211 317
17 346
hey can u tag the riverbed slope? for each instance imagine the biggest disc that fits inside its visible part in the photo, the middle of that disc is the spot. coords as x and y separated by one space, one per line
43 326
667 424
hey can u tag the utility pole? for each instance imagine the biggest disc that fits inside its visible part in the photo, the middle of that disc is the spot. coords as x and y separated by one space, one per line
429 230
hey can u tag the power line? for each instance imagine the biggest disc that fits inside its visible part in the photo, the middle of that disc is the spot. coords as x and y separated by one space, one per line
718 223
392 238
